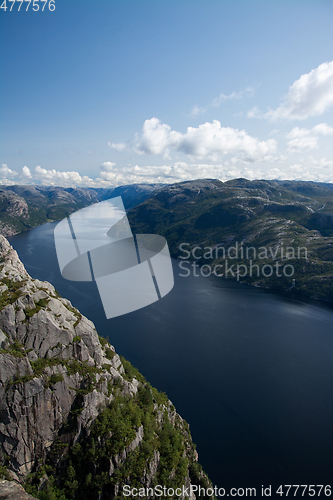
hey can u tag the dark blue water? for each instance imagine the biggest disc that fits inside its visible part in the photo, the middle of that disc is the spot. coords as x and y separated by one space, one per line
252 372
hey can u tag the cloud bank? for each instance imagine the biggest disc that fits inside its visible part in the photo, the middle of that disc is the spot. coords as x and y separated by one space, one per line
112 175
209 140
44 177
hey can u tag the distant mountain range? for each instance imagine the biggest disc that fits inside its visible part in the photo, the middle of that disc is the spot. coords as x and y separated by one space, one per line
208 213
25 207
271 215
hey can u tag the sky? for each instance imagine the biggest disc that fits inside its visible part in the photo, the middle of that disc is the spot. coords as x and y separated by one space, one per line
114 92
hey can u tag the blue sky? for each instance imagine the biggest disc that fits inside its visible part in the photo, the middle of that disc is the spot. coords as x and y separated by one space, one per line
113 92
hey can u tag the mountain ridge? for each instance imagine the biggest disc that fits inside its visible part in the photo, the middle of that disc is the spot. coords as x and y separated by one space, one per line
24 207
209 212
271 214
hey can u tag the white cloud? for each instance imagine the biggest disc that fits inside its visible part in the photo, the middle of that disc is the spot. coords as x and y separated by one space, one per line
157 138
305 139
65 179
247 92
312 170
178 171
119 175
6 172
209 140
197 110
26 172
118 146
254 113
107 172
310 95
6 182
320 170
301 139
323 129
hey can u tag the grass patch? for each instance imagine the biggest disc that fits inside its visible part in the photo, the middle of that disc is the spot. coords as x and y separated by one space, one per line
4 474
54 379
131 372
41 304
13 293
103 341
109 353
15 349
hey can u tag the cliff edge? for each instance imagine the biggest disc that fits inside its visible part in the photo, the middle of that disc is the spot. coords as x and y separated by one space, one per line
77 420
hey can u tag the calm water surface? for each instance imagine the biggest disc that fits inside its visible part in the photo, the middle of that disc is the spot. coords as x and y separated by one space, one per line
252 372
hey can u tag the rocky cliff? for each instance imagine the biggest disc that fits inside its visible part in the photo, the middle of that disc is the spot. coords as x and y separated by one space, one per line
77 420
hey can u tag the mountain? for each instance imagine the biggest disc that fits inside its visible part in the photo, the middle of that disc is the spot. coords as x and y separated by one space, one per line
274 215
77 420
25 207
281 223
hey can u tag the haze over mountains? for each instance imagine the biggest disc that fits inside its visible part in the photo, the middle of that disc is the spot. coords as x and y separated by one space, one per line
209 213
25 207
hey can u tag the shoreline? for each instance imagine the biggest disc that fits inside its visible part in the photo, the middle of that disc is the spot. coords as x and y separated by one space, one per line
294 295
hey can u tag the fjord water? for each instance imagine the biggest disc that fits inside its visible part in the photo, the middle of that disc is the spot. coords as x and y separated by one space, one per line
252 372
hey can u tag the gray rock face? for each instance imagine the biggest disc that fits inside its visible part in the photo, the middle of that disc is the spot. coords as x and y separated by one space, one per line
39 327
13 491
56 378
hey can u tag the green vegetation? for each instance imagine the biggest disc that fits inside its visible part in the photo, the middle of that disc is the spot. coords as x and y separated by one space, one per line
13 293
103 341
72 366
22 380
109 353
160 397
40 364
54 379
44 204
130 371
41 304
104 459
82 368
15 349
4 474
83 472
